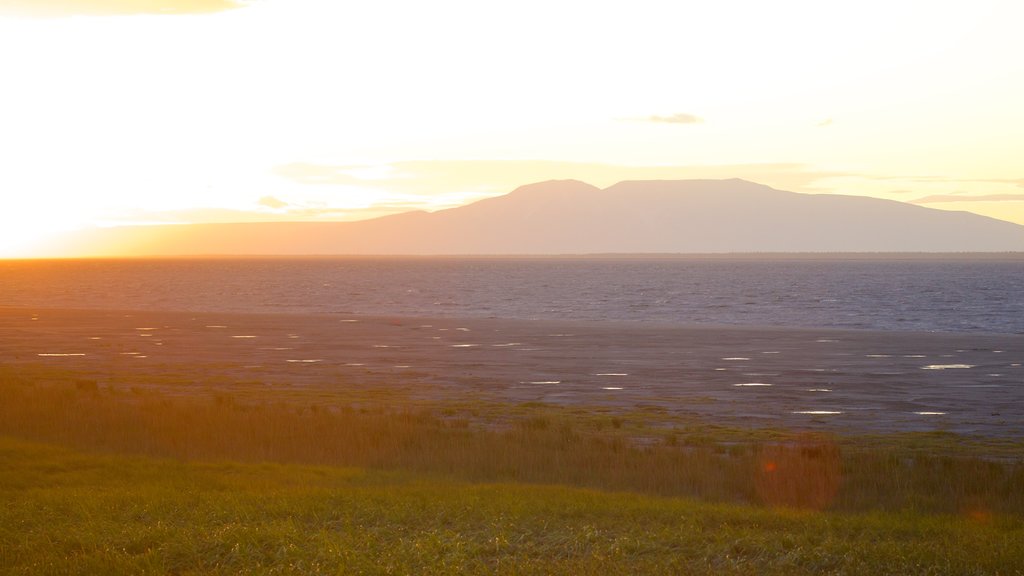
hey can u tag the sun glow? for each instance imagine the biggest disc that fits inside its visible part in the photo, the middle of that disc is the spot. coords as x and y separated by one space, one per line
109 117
22 235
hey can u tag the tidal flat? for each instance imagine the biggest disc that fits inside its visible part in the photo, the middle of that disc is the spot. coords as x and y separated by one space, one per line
833 380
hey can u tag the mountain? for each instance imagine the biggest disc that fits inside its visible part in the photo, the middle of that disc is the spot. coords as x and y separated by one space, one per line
572 217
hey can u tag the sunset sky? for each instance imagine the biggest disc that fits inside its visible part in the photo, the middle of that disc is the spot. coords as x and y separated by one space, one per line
148 111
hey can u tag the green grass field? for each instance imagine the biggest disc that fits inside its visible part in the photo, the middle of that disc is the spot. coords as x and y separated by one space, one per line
70 512
104 479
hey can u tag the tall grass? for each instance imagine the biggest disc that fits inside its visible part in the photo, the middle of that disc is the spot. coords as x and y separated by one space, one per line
67 512
538 446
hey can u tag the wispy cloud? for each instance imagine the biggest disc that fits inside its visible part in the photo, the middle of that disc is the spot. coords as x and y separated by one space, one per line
678 118
1019 182
62 8
273 203
323 174
937 198
229 215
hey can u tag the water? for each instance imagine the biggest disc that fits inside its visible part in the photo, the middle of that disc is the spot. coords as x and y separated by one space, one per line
956 295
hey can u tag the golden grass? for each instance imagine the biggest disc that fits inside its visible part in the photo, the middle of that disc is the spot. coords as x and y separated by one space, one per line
69 512
524 444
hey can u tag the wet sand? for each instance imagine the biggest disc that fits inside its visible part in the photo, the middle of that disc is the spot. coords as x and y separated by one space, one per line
841 380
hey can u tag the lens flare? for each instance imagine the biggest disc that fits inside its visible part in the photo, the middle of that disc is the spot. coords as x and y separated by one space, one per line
801 473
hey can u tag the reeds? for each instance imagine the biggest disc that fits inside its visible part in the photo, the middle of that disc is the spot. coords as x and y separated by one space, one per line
536 446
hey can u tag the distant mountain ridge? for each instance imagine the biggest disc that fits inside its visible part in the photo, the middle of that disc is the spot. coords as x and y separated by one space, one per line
572 217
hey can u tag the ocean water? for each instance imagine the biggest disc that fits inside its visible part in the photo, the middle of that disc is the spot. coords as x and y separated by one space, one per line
964 294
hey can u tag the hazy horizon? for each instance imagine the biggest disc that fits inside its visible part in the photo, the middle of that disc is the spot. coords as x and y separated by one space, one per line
362 111
573 217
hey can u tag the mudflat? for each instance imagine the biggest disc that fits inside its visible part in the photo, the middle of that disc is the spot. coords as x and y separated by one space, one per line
801 378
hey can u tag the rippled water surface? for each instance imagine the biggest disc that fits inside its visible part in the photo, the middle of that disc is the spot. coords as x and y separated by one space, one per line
965 294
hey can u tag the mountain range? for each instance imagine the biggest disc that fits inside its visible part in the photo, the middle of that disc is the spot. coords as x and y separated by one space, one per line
572 217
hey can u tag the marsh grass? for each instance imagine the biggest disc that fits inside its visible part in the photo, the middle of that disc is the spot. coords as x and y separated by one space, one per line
132 475
70 512
534 444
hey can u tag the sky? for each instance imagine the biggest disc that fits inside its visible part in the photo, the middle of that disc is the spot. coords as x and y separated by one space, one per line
118 112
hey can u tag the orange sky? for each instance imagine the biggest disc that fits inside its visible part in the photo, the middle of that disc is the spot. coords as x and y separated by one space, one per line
150 111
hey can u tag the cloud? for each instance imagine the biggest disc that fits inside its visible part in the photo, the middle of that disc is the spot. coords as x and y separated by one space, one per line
825 122
62 8
271 202
225 215
936 198
1019 182
187 216
679 118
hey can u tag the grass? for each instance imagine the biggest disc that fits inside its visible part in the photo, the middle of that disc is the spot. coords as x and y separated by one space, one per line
333 480
530 444
70 512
